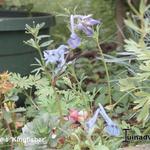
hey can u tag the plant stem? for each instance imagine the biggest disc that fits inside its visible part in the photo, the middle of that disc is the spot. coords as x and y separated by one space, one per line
39 49
133 8
30 98
79 86
52 80
91 142
106 70
41 57
146 131
10 133
58 101
141 41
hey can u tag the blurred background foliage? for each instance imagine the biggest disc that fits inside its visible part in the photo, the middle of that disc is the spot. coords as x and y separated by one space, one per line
101 9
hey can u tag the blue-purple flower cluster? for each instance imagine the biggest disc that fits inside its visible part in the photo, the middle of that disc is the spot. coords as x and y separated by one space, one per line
57 56
111 128
84 24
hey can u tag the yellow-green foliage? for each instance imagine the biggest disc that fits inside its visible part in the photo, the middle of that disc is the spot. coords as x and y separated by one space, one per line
139 84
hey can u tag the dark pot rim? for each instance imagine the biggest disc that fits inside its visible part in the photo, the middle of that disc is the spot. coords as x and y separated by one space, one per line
17 20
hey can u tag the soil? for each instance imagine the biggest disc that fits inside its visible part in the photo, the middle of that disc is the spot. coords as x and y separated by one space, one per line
138 147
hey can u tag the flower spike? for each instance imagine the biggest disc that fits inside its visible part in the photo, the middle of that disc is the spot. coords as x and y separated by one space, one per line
111 128
57 57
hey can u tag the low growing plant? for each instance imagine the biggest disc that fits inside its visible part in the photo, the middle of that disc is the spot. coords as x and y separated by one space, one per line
63 109
63 118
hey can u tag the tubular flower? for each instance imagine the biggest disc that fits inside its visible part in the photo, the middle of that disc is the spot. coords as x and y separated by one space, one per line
111 128
91 122
57 57
74 41
83 23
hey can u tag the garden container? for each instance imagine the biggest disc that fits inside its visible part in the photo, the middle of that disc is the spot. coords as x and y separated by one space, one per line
15 55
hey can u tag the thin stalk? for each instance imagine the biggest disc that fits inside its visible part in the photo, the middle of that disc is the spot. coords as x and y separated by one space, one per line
43 63
10 134
141 41
79 85
121 98
146 132
30 98
39 49
41 57
58 102
133 8
91 142
106 70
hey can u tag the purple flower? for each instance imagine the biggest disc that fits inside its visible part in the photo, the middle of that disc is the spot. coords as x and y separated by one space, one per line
57 57
85 24
89 21
74 41
111 128
87 30
91 122
82 23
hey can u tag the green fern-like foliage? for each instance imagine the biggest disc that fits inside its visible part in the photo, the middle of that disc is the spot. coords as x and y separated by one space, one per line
139 84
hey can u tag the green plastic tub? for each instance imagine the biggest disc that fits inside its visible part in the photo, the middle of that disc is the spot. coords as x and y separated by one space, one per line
15 56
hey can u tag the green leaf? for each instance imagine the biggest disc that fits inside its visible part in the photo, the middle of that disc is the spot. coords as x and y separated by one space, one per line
40 26
67 81
42 37
140 103
7 116
77 147
31 111
142 7
137 130
32 43
21 109
132 25
127 84
47 43
101 147
144 113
